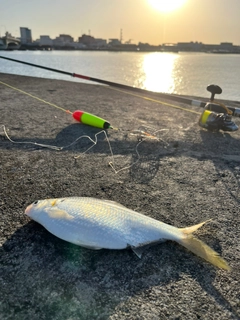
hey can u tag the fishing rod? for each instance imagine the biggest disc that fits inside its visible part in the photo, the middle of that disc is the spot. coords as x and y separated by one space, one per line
210 107
113 84
197 103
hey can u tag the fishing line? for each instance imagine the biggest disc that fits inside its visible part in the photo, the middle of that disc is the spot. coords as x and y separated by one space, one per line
141 135
51 146
123 91
34 97
157 101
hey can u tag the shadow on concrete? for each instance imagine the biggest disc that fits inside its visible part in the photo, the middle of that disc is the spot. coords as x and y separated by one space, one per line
48 278
226 159
145 157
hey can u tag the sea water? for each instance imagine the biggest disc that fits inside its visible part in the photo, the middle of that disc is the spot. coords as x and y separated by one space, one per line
179 73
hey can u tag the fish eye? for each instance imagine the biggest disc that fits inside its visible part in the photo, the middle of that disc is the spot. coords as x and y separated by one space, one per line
35 202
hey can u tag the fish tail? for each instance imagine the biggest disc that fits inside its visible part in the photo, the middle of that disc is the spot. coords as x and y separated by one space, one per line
189 230
200 248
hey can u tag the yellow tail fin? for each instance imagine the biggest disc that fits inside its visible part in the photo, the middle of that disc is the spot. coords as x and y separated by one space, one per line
189 230
200 248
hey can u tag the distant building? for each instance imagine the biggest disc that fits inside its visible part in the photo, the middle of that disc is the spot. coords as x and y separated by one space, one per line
99 43
66 38
91 42
148 47
78 45
26 35
114 42
58 42
226 47
45 41
169 47
190 46
86 40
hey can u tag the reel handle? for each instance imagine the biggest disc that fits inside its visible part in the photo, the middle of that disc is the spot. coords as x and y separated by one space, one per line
214 89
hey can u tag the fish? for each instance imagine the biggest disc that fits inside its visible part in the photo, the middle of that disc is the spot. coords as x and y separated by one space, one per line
103 224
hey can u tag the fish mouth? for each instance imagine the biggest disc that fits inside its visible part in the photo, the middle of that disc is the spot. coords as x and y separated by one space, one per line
28 209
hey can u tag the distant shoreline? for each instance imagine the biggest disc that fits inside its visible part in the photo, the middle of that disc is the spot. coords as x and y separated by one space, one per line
173 50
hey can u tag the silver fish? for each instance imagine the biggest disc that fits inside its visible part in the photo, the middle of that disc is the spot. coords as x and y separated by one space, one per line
98 224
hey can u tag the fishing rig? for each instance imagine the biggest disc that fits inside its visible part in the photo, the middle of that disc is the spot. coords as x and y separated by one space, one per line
216 116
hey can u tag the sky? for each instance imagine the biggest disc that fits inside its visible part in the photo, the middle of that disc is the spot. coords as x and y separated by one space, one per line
207 21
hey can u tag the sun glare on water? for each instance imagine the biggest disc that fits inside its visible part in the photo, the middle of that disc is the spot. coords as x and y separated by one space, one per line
166 5
159 69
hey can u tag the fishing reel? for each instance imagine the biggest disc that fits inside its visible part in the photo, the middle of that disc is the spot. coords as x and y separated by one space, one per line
216 116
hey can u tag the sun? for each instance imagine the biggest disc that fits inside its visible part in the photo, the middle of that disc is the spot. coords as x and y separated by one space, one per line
166 5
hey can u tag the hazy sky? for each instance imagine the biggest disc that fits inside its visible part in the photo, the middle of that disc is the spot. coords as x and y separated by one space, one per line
207 21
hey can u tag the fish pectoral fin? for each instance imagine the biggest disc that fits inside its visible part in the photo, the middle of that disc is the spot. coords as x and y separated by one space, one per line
138 251
56 213
141 248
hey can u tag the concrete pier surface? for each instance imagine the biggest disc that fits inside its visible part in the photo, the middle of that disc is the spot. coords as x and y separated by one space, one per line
185 176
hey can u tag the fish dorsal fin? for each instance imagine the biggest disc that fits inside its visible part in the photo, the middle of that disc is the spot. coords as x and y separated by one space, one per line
56 213
189 230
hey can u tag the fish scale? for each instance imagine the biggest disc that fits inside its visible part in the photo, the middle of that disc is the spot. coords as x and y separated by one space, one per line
107 224
97 224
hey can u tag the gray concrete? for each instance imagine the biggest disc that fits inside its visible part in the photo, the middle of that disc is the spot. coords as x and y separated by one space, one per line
191 176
